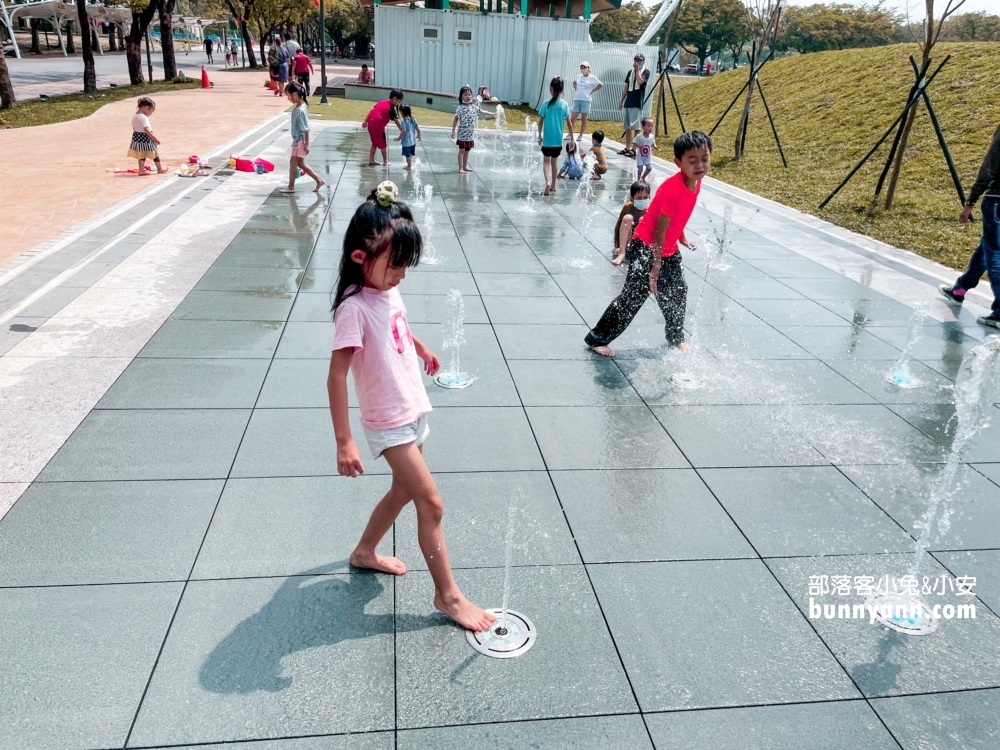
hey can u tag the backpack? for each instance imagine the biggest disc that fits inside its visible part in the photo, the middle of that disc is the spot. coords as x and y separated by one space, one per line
273 56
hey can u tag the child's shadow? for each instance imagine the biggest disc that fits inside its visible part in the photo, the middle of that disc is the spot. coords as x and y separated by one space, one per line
309 610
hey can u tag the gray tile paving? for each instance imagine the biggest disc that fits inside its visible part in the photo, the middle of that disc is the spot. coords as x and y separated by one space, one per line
663 539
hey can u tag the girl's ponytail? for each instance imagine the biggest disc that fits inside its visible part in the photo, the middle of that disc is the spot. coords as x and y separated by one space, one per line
556 84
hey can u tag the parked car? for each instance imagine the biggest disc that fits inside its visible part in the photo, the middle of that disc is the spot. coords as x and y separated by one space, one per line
690 70
673 68
8 50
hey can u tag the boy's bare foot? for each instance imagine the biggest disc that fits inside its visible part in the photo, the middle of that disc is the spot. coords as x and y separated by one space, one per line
604 351
684 346
373 164
465 613
381 563
406 167
319 184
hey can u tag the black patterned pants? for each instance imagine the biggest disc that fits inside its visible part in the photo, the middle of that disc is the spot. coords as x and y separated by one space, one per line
671 296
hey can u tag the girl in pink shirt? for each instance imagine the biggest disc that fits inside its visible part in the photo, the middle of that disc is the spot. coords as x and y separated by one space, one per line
373 340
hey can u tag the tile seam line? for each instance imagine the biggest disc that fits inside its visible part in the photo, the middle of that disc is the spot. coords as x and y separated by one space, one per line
97 253
208 526
552 484
104 217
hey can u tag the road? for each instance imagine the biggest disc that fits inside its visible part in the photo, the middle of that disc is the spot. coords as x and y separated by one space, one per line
63 75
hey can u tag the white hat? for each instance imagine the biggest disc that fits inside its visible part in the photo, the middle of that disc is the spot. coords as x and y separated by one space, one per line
585 64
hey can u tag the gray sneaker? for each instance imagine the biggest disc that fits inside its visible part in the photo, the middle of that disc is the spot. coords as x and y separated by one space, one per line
950 294
989 320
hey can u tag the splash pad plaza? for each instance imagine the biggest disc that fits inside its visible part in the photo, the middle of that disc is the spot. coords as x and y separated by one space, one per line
174 561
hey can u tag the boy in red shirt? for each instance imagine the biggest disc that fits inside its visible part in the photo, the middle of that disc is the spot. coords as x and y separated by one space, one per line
302 67
653 256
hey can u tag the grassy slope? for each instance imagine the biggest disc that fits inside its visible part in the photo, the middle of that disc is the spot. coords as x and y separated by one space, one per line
830 108
33 112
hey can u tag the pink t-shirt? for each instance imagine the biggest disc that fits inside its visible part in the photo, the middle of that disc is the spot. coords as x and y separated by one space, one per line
385 366
672 199
301 61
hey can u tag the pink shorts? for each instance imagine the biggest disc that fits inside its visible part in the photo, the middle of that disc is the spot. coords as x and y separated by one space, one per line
378 137
299 149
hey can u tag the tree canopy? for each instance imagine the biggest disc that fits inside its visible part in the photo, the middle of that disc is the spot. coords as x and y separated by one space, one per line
623 25
819 27
706 27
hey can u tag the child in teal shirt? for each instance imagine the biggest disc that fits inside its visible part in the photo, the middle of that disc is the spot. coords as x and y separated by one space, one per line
551 118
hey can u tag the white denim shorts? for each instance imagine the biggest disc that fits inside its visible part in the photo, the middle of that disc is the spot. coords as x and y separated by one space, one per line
411 432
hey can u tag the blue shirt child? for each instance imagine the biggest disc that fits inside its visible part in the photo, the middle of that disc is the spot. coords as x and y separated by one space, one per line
410 126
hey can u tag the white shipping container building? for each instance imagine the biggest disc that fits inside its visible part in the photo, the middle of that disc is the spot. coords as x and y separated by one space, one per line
515 55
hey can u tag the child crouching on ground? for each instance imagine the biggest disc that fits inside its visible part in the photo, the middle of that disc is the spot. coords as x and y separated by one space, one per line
653 255
572 166
632 212
597 149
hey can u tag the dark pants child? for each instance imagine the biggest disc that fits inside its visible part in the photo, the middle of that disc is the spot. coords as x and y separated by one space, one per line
986 258
671 296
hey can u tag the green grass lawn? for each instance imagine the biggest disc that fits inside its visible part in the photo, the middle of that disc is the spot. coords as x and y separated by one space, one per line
33 112
830 108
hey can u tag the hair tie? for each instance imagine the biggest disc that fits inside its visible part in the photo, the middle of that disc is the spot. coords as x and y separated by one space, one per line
386 193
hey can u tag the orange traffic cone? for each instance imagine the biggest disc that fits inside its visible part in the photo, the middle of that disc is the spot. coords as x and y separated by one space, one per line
204 79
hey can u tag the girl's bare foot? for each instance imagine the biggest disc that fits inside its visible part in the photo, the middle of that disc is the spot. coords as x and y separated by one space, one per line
373 164
470 170
617 260
287 191
385 164
381 563
546 190
684 346
319 184
464 612
461 171
604 351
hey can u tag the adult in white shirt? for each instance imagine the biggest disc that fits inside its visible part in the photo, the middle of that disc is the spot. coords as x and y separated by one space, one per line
585 86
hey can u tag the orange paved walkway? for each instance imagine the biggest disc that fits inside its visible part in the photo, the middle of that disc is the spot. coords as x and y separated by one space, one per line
53 176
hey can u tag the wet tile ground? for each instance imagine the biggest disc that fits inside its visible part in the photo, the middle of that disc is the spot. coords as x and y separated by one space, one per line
177 575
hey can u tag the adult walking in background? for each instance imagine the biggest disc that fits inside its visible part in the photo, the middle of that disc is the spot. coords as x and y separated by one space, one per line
986 258
585 86
630 104
291 46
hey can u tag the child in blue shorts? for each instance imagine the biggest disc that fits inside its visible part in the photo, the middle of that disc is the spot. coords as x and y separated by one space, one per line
644 144
409 134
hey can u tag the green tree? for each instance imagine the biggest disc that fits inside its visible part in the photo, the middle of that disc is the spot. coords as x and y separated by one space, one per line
346 21
973 27
706 27
819 27
270 16
623 25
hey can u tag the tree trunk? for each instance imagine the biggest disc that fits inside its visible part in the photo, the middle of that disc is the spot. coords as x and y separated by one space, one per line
112 39
7 100
167 39
897 164
95 43
248 45
35 49
70 44
89 73
744 123
133 42
121 37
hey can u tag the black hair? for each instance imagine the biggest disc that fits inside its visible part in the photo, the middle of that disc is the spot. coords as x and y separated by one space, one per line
645 120
364 66
689 141
461 93
405 111
637 187
396 94
288 35
557 86
298 88
597 136
145 101
375 229
570 147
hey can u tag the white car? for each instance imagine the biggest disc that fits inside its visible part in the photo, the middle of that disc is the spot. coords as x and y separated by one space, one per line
8 50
